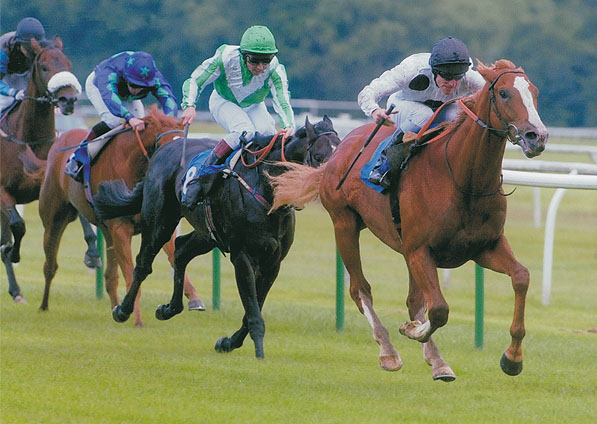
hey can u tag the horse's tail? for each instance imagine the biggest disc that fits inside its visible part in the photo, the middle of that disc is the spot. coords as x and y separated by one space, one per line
114 199
297 186
33 167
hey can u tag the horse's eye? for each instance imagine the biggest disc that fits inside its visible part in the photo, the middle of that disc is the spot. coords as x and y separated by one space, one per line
44 68
504 94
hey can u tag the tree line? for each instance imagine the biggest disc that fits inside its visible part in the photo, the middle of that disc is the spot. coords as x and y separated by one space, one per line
333 48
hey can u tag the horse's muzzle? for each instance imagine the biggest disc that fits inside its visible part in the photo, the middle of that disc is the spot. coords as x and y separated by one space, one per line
532 141
66 104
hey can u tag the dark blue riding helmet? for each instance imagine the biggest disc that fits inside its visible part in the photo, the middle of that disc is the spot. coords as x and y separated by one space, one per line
29 28
140 69
449 56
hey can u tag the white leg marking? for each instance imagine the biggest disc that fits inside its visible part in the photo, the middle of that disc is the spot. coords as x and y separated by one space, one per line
367 313
522 86
422 329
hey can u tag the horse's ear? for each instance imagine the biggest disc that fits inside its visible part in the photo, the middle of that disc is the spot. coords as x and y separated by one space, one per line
58 42
328 121
35 46
309 128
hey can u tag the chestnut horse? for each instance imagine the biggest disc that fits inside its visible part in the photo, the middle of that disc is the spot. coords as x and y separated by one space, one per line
452 209
124 158
234 218
29 127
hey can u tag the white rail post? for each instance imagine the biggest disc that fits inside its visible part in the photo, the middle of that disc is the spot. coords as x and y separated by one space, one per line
550 224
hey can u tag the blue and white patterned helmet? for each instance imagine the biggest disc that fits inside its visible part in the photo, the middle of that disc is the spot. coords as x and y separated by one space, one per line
140 69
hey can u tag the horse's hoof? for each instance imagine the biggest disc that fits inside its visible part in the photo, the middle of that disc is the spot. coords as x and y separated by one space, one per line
19 299
119 315
92 261
416 330
223 345
510 367
444 374
390 362
196 305
160 314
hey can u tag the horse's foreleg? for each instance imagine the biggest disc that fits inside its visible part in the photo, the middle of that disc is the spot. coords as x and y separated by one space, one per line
501 259
17 228
347 241
92 257
195 303
423 274
5 246
188 247
119 238
55 218
415 302
111 274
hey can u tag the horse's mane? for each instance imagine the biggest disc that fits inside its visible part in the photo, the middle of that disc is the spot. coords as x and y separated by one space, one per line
157 122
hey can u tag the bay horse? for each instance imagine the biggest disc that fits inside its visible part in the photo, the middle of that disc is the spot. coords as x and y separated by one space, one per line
235 219
124 158
452 209
29 126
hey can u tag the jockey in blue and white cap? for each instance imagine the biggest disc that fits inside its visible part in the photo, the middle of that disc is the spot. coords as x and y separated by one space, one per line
417 87
16 58
115 89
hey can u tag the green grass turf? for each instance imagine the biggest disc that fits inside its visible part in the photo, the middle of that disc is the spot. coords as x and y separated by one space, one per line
74 364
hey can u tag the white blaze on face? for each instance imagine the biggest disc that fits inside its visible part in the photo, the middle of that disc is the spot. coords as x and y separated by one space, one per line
522 86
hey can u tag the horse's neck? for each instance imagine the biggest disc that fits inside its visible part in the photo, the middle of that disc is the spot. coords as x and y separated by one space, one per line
295 151
475 157
33 122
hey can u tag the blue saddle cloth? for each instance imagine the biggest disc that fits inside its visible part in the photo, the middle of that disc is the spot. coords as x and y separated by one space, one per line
197 168
368 167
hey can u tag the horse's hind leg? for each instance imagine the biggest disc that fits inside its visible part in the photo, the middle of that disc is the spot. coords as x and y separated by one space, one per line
501 259
244 271
92 256
347 241
415 302
195 303
188 247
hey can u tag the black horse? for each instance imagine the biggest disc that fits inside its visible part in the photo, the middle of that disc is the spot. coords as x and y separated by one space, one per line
234 218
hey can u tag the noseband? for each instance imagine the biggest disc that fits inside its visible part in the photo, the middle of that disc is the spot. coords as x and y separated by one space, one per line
309 160
48 97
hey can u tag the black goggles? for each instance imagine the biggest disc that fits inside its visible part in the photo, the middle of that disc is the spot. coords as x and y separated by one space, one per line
451 77
130 84
257 59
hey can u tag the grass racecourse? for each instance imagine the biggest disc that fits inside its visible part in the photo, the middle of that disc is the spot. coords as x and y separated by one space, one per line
74 364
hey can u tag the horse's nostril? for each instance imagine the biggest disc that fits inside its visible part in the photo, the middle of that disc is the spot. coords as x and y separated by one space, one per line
531 135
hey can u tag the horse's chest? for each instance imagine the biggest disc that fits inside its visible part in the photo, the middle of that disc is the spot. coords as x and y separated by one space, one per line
466 236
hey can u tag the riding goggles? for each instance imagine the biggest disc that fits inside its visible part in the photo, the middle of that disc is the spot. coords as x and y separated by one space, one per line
451 77
254 59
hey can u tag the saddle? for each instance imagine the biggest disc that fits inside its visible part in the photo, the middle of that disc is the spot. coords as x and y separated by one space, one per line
399 154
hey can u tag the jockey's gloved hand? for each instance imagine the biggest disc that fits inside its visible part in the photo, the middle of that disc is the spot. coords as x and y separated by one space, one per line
20 95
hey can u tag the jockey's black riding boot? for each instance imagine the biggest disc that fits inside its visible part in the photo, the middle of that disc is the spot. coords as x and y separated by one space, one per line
198 189
219 154
380 174
74 166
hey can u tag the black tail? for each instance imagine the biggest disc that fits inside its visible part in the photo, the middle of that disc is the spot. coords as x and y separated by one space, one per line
114 199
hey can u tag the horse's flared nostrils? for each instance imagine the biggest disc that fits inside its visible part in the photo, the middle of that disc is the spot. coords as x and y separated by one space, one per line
296 187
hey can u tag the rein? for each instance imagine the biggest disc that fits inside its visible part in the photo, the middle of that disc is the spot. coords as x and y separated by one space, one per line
265 151
503 133
46 98
262 153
